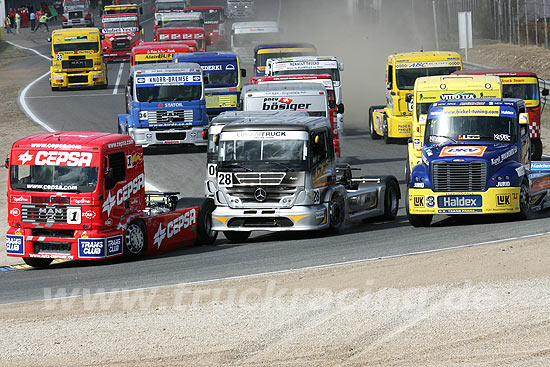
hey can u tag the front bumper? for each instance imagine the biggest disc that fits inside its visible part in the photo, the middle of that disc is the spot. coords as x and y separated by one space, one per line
297 218
493 201
78 79
84 245
146 137
78 22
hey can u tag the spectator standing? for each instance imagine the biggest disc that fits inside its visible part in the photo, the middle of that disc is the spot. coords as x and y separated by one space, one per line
8 25
17 22
24 17
32 17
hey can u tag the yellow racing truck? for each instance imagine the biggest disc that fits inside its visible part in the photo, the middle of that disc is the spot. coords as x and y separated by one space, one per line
393 121
428 90
77 59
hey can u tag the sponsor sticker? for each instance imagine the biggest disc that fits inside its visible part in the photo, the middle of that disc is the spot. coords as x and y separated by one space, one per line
91 247
467 201
504 200
15 244
470 151
114 246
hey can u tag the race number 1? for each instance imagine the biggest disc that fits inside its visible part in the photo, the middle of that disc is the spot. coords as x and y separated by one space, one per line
225 179
74 216
212 170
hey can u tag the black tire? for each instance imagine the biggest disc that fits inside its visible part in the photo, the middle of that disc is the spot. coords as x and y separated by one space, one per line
408 173
391 200
336 213
236 237
206 235
373 134
417 220
37 262
135 239
524 209
55 89
536 149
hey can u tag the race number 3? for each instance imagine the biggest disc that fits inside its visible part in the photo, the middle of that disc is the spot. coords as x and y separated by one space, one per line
212 170
225 179
74 216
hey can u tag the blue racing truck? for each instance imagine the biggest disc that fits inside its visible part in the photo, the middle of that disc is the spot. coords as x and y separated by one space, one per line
222 78
166 105
476 160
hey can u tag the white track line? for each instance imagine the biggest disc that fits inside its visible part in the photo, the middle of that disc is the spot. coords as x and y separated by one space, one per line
115 89
73 95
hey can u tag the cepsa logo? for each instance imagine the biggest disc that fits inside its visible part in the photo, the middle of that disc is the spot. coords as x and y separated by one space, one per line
175 226
57 158
123 193
463 151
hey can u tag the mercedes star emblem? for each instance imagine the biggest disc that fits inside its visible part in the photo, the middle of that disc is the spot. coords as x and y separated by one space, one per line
260 194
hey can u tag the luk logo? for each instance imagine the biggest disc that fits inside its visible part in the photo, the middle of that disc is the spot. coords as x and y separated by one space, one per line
418 201
463 151
503 200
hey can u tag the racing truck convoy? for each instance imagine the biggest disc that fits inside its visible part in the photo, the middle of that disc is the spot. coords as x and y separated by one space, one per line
222 77
245 36
264 52
517 83
240 8
121 32
312 65
171 34
77 13
155 52
430 89
290 96
476 160
214 24
281 175
394 120
81 195
166 105
77 59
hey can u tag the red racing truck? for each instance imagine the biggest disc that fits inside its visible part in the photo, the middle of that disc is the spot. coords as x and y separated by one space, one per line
214 24
518 83
153 52
81 195
182 34
121 32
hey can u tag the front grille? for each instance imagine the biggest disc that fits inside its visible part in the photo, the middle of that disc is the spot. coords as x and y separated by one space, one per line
273 194
60 233
171 136
75 14
44 214
77 64
449 176
259 222
159 117
121 44
52 247
78 79
268 178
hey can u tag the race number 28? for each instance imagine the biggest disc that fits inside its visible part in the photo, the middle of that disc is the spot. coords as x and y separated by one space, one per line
225 179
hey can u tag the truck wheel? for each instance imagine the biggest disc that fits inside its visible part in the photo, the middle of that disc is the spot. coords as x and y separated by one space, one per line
206 235
373 134
135 239
336 213
417 220
536 149
391 200
236 237
523 201
408 173
37 263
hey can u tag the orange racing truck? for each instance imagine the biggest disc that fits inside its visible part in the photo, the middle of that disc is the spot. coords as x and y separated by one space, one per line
81 196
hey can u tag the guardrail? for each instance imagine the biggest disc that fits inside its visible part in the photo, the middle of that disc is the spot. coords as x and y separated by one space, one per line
543 84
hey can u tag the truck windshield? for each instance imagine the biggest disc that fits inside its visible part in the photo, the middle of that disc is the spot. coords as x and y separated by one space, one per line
253 39
447 128
76 46
120 24
406 77
334 73
527 92
53 178
169 93
170 6
216 78
290 153
121 11
211 16
180 23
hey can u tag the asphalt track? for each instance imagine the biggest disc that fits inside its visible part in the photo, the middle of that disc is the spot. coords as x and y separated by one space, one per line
184 170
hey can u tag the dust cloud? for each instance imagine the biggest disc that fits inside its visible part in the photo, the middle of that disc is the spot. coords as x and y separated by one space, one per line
362 40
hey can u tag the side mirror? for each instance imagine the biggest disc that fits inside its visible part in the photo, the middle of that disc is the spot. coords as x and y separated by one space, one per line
243 73
140 27
341 66
524 119
331 104
216 140
49 39
408 97
108 174
388 85
422 120
141 11
340 108
545 92
7 162
102 37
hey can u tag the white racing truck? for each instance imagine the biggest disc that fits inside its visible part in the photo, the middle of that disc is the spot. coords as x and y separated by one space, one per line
280 174
312 65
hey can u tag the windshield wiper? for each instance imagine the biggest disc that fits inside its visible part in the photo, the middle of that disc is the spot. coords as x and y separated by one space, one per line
287 168
236 165
446 137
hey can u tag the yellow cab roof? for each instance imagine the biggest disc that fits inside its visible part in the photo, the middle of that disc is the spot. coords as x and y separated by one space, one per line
452 82
67 32
424 56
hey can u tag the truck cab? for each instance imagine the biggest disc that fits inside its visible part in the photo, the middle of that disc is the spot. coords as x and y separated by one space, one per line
223 78
179 19
279 50
155 52
77 13
394 120
281 175
77 59
166 105
430 89
245 36
170 34
120 33
214 24
167 6
475 160
240 9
